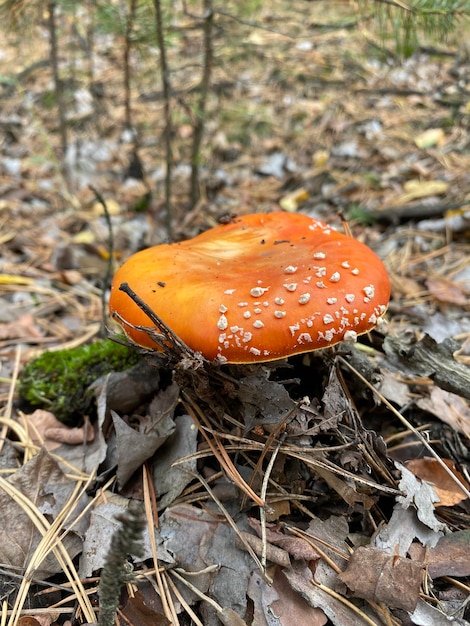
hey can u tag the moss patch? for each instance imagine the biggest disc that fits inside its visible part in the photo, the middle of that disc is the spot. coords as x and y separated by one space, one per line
59 381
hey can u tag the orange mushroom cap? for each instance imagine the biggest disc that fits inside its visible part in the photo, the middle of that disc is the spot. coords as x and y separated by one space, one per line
263 287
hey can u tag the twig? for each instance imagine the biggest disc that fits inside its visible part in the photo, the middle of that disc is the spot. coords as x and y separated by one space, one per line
167 338
168 608
264 489
58 90
166 85
109 265
200 122
126 62
232 523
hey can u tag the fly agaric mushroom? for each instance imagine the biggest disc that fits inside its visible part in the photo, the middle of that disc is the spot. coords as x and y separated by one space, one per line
263 287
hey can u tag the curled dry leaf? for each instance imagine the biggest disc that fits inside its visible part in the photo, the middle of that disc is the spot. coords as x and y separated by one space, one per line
298 548
273 553
430 470
71 436
41 420
47 430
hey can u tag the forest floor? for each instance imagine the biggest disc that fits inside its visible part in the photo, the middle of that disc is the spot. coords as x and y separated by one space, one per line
360 454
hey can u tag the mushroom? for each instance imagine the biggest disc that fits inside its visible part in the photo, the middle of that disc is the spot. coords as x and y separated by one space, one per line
260 288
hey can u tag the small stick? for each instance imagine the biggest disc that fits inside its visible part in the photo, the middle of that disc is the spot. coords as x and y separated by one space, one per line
165 330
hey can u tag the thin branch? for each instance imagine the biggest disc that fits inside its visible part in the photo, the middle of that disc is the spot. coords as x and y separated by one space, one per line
166 85
58 89
109 265
127 68
200 122
165 339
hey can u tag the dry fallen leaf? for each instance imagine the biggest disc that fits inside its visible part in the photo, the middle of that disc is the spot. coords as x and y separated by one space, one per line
137 611
22 328
449 408
430 137
430 470
295 546
45 429
405 285
422 495
299 577
280 600
375 575
292 201
399 534
447 291
450 556
20 537
414 189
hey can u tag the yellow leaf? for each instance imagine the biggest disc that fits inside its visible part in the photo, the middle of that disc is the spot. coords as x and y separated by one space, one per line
112 206
429 138
421 189
293 200
85 236
320 158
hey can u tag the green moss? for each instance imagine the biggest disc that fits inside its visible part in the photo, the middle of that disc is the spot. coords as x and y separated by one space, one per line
58 381
359 215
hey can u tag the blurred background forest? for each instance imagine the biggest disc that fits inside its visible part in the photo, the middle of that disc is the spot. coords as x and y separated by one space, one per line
163 105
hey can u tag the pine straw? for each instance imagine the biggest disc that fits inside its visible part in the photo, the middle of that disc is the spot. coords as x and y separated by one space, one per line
52 534
407 261
222 445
